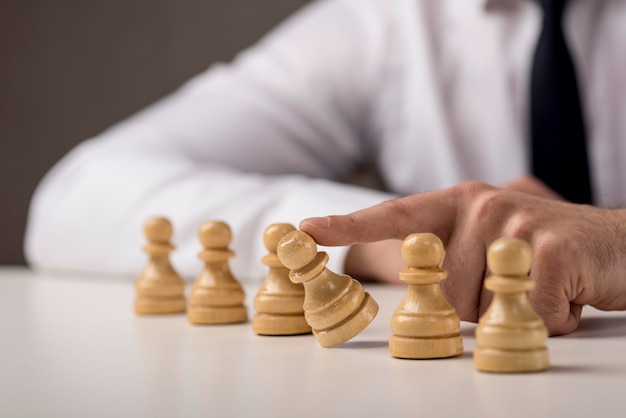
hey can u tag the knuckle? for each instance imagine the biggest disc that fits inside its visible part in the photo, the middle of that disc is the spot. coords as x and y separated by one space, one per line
491 204
470 189
520 225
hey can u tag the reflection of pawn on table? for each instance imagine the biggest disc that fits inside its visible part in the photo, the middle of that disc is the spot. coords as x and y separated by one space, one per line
159 288
216 296
279 301
510 336
335 305
424 325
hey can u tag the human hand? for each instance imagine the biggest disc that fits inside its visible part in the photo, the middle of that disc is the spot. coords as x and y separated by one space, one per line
381 260
579 251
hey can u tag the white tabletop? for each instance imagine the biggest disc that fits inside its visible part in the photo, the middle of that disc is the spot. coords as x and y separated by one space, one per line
72 347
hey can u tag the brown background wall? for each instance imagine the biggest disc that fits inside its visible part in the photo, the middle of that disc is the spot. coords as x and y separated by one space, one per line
70 68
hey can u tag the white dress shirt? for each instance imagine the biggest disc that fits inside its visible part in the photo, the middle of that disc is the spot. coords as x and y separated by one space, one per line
433 92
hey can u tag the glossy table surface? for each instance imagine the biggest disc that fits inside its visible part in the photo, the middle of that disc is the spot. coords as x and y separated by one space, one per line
71 346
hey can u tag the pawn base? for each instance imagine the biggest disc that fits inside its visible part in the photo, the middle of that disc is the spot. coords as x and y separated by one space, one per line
511 361
212 315
155 306
276 324
425 348
351 326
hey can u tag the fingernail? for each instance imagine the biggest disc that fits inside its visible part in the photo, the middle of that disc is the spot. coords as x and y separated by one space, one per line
318 222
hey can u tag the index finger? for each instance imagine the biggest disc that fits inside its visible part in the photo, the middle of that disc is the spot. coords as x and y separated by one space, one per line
434 212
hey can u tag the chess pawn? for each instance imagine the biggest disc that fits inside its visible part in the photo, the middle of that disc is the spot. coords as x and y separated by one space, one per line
510 336
159 288
424 325
279 302
216 296
336 306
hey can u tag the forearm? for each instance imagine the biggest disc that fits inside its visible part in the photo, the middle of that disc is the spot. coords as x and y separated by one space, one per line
89 212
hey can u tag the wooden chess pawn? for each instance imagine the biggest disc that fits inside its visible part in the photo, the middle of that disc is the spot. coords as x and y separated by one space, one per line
510 336
336 306
216 296
424 325
279 302
159 288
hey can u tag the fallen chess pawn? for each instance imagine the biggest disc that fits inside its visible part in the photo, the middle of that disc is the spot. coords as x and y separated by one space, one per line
336 306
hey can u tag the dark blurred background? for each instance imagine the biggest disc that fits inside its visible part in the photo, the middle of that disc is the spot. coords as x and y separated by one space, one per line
71 68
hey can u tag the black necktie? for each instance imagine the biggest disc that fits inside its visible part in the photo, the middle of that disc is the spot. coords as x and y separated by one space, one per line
559 155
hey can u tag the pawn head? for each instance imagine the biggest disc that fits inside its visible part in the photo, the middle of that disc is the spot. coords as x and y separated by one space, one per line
274 233
509 257
158 229
296 250
214 234
422 250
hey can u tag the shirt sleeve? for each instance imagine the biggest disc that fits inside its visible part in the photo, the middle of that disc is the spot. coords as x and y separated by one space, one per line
259 141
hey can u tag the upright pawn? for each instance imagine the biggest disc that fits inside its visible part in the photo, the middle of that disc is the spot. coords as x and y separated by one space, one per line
279 302
510 336
159 287
336 306
216 296
424 325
